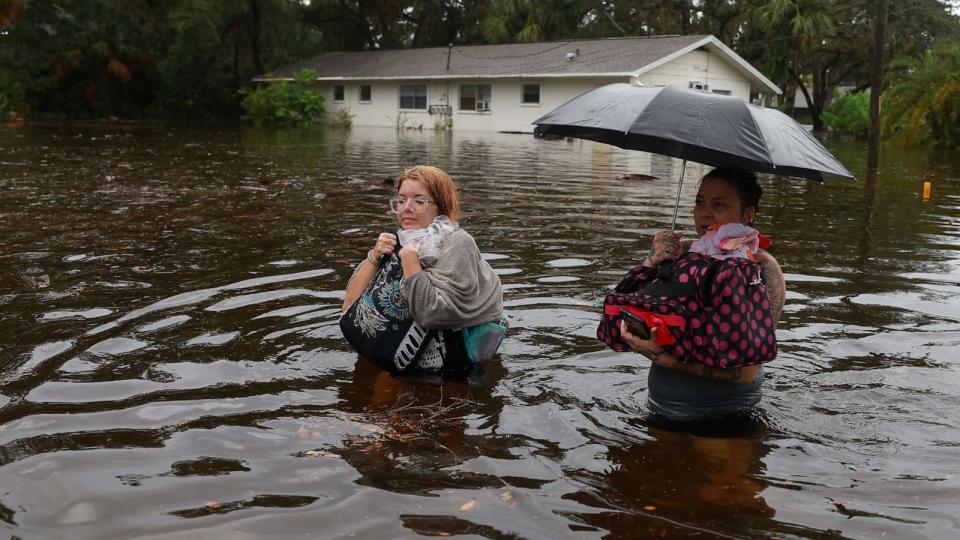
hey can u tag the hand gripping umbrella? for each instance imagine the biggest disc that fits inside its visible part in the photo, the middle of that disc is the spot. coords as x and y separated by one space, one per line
713 129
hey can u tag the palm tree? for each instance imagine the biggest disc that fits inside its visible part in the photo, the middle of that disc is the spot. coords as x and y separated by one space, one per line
922 104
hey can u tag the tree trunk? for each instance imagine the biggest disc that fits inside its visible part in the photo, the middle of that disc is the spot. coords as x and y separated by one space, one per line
811 103
255 37
876 85
821 97
236 63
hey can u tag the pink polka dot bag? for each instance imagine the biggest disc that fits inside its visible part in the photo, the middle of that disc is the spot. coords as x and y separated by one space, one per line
713 311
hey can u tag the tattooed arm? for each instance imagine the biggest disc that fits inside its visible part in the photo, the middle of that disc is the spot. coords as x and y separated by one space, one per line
743 375
776 285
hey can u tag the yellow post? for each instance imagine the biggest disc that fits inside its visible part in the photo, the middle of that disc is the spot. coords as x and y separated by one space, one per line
927 187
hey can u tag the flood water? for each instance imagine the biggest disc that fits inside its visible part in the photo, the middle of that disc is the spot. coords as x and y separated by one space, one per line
171 363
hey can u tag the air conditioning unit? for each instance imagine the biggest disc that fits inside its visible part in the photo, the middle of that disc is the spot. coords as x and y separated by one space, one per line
483 106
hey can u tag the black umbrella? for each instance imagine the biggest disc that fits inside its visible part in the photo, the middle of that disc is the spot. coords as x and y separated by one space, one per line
712 129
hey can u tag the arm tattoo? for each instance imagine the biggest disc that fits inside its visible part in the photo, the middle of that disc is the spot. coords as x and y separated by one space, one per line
720 374
776 293
694 368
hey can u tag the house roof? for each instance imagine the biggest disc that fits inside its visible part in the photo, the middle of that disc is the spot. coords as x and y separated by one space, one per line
631 56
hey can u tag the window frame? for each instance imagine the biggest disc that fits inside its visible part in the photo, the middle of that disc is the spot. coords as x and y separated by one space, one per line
369 88
523 95
476 98
343 93
415 97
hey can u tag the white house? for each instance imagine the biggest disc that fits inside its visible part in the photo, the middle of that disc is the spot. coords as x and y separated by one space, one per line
506 87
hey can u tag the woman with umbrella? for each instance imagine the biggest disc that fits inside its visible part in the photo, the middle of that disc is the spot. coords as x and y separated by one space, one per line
687 381
717 370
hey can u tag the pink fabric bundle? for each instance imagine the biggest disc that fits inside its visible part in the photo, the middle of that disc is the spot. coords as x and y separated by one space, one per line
727 241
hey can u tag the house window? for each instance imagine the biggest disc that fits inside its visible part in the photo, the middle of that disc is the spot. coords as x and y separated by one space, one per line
531 94
721 92
697 85
365 93
413 96
338 92
475 97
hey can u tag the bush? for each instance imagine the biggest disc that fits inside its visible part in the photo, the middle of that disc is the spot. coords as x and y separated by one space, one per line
849 113
342 118
285 102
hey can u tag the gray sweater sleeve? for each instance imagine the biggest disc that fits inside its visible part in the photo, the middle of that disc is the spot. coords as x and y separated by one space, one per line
459 290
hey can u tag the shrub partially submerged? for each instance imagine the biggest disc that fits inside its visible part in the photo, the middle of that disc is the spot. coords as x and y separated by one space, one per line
295 102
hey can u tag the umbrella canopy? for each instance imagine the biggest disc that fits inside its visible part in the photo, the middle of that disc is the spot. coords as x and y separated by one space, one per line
712 129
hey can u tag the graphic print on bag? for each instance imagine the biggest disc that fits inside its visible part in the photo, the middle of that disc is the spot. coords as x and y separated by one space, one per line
386 289
392 302
433 353
380 326
411 345
724 304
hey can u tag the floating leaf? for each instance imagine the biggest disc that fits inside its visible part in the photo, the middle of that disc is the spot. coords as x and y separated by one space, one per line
649 508
468 505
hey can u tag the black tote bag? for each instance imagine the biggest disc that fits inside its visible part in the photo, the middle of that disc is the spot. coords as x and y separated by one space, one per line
380 327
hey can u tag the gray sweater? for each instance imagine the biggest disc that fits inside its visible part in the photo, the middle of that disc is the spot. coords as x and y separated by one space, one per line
459 289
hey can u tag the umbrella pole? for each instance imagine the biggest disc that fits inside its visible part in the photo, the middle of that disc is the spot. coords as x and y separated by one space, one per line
676 206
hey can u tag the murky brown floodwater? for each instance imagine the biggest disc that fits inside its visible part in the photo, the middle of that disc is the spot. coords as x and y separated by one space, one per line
171 364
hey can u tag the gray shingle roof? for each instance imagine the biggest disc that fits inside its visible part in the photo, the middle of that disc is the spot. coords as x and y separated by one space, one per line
596 56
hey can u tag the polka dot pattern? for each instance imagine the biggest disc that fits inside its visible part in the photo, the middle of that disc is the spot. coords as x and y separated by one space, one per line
726 309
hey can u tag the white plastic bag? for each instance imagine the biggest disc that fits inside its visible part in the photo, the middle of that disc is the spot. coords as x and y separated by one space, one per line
428 242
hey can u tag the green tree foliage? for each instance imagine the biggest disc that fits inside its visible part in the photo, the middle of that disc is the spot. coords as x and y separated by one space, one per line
350 25
922 105
295 102
189 58
216 48
815 45
134 57
804 40
12 89
527 21
849 113
73 55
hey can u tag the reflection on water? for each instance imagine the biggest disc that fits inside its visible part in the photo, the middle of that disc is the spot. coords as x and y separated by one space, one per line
171 361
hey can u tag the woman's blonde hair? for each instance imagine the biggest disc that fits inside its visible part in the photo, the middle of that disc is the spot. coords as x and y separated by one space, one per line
439 185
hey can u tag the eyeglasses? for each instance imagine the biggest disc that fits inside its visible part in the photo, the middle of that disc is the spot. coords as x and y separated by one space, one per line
417 206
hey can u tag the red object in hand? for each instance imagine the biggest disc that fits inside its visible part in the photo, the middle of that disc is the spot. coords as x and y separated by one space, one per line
654 320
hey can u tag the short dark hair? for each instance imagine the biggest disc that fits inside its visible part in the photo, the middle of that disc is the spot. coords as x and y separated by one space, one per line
745 182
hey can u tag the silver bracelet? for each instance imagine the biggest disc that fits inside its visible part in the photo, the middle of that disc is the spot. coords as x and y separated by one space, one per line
373 261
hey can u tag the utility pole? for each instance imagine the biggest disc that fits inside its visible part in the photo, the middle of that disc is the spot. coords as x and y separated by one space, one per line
876 84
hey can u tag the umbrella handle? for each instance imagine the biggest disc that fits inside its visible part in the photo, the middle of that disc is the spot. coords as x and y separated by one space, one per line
676 206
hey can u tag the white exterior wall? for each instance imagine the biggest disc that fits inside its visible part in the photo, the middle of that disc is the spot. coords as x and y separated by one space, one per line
703 67
507 113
